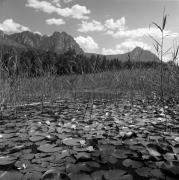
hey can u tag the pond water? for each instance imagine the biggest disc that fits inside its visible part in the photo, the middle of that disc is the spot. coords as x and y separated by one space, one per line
100 139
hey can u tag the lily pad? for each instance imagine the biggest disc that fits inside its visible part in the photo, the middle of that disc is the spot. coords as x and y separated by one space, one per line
32 176
154 150
144 172
48 148
10 175
51 174
98 175
6 160
83 156
131 163
80 177
115 174
71 142
36 138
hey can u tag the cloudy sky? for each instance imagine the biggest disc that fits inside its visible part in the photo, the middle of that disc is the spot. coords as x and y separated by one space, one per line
99 26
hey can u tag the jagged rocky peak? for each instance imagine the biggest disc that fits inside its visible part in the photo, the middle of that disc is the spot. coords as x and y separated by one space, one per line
138 49
62 42
58 42
27 38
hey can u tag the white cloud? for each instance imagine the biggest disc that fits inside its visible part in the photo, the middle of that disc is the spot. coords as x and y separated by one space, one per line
118 29
130 44
87 43
41 5
111 51
119 24
142 32
56 2
54 21
91 26
76 11
109 25
67 1
9 26
126 46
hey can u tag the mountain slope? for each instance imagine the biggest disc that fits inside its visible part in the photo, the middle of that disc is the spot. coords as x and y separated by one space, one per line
136 55
57 42
61 43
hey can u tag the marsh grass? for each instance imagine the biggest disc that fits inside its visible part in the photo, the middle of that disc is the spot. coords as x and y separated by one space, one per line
106 85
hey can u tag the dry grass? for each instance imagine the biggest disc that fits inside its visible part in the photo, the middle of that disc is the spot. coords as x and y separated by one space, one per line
136 81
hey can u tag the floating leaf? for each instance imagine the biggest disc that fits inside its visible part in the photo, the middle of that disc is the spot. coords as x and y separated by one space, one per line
115 174
32 176
98 175
48 148
80 177
157 174
10 175
171 170
131 163
144 172
36 138
51 174
71 141
83 156
154 149
6 160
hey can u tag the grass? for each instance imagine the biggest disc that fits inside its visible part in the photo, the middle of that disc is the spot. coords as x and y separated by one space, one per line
144 82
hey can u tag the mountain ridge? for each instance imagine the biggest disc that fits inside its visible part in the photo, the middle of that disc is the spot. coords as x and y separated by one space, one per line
61 42
137 54
57 42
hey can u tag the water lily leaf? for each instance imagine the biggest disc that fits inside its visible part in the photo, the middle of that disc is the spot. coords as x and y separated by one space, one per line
51 174
115 174
32 176
177 139
71 141
80 177
157 174
131 163
76 168
6 160
98 175
176 148
48 148
171 170
36 138
93 164
144 172
10 175
112 160
126 177
27 156
154 150
83 156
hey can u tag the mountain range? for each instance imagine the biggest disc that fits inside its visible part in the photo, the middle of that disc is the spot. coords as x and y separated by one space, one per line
57 42
137 54
61 43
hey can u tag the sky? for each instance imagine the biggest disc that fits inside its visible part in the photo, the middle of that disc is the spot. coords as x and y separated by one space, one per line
98 26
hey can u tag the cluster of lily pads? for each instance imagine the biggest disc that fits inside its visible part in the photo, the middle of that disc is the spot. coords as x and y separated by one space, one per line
74 142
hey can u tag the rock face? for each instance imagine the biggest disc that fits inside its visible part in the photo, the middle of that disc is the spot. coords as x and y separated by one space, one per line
57 42
138 54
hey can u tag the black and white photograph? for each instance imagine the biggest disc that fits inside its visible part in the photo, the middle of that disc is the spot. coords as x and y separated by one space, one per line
89 89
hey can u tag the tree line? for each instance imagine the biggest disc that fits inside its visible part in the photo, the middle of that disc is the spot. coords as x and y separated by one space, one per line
36 63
